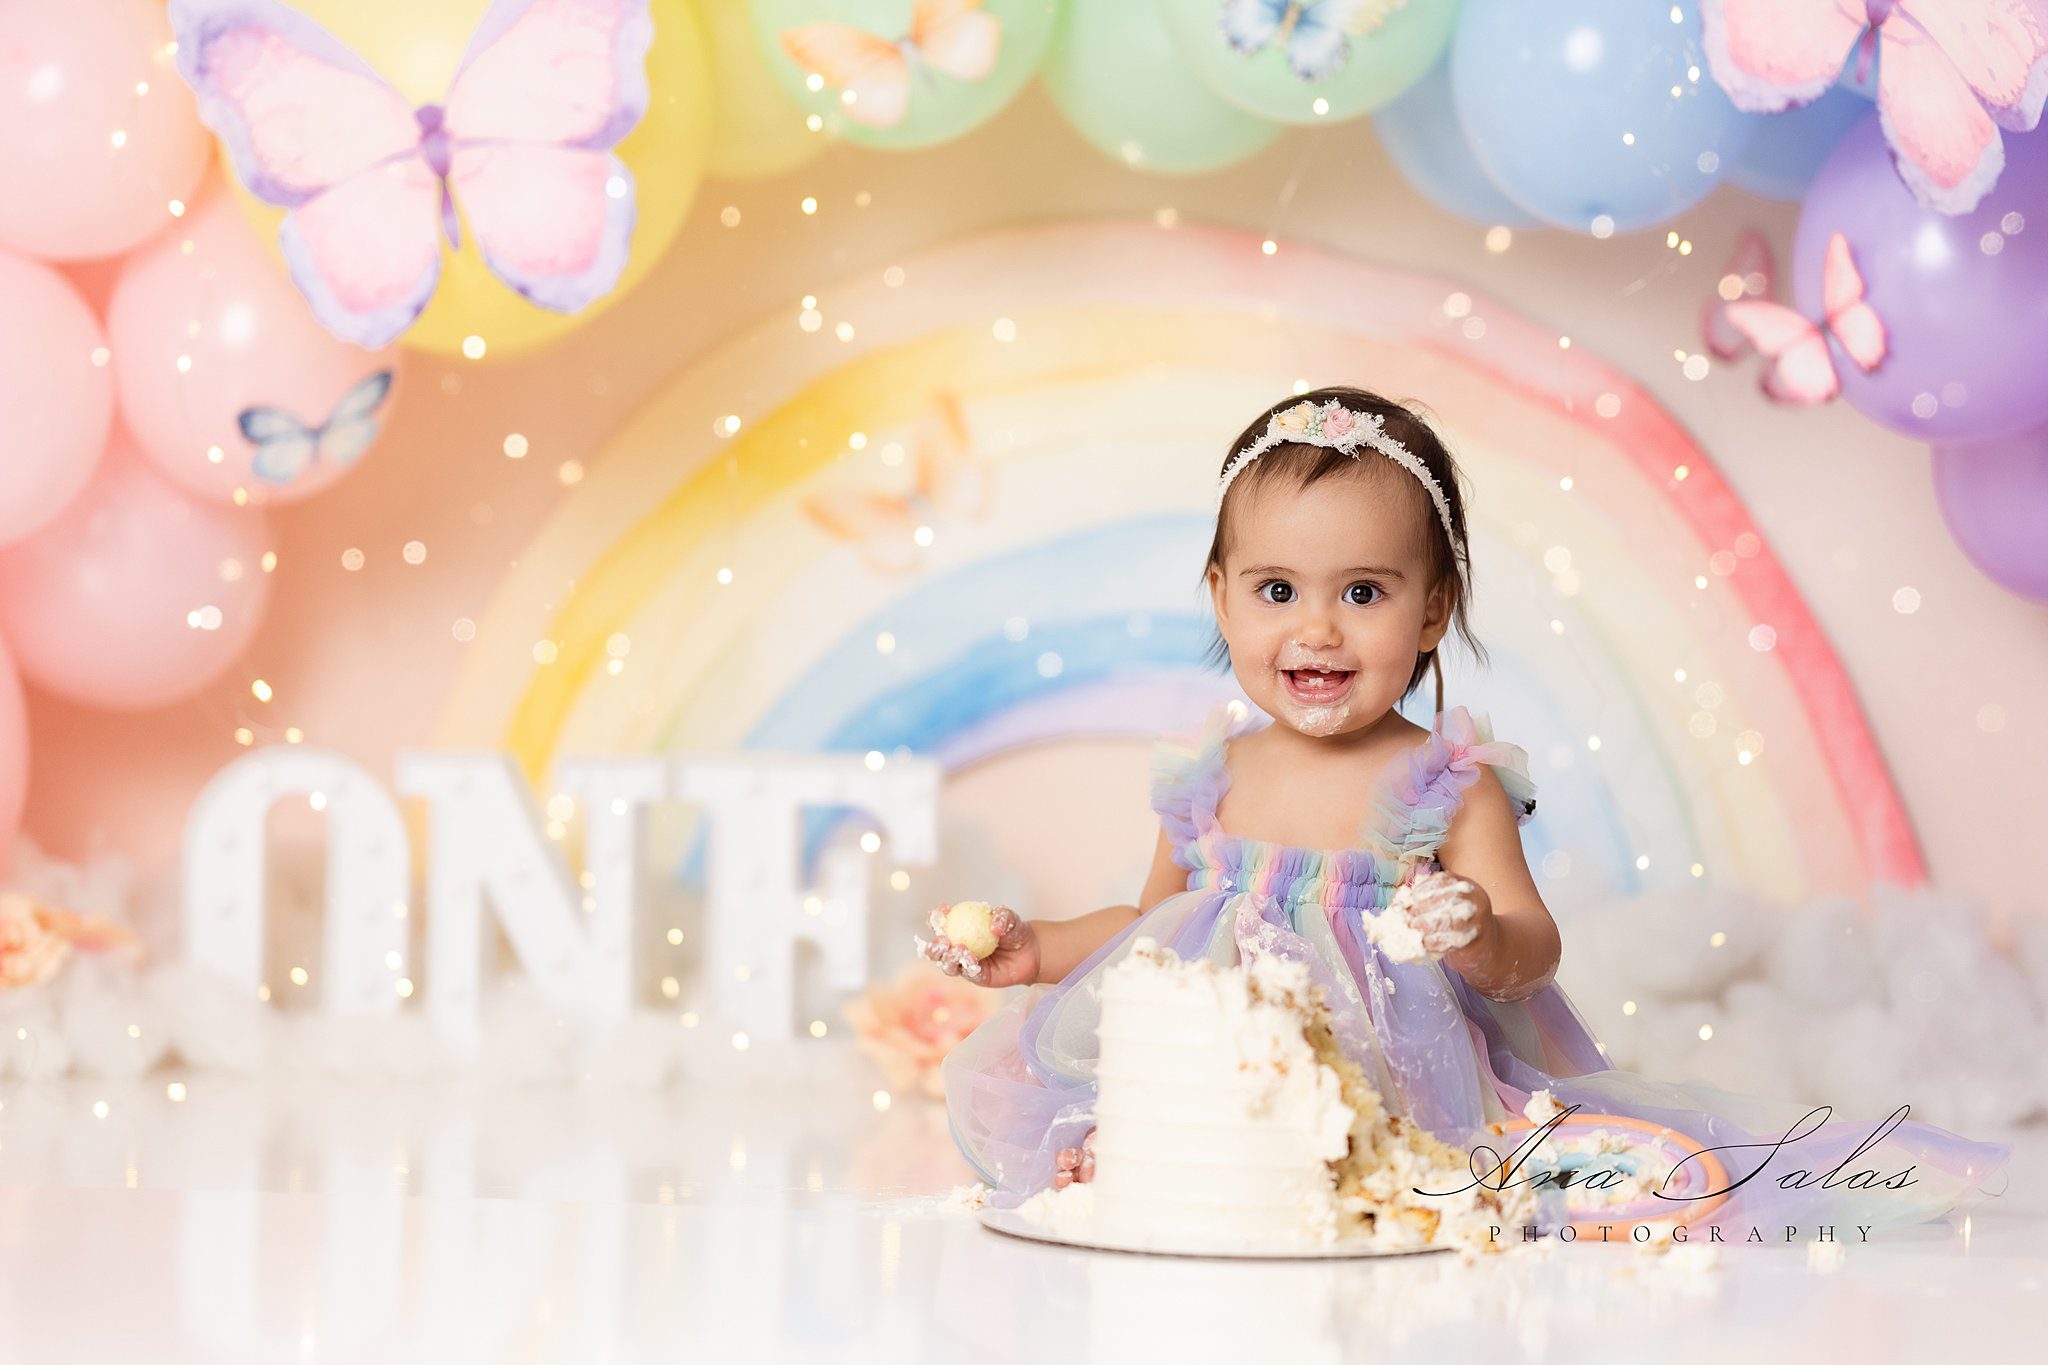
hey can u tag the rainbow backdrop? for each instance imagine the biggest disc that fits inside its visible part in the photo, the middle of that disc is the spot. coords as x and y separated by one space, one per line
1643 635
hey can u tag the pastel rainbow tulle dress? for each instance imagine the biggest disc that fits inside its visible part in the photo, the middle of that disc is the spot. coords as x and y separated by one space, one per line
1463 1066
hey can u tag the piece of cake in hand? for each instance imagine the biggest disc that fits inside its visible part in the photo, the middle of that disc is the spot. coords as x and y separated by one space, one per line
1393 929
968 934
971 924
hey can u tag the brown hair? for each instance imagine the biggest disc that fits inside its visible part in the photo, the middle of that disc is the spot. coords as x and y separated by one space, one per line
1449 556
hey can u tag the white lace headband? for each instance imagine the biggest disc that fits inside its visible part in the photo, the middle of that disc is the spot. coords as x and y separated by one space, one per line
1338 427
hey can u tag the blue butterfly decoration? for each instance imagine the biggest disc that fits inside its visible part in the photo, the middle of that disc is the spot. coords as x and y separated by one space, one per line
1315 33
287 447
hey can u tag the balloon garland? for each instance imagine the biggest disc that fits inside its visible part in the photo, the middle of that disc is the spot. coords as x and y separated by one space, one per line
197 383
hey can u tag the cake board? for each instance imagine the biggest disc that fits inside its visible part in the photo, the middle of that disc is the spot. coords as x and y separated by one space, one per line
1010 1223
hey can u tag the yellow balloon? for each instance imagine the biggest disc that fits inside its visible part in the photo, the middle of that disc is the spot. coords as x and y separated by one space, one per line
757 129
417 48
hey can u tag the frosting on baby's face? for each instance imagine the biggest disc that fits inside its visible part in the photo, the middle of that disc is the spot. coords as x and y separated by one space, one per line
1325 598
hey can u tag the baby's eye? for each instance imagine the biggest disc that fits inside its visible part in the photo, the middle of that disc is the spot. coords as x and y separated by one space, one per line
1277 591
1363 594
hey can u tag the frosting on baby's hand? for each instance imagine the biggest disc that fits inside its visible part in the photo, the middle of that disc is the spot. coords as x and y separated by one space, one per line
1427 918
1445 912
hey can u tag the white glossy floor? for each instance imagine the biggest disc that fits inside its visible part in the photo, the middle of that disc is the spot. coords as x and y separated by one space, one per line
328 1221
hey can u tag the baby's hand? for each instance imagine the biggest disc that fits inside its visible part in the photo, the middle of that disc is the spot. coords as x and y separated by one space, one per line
1076 1164
1014 961
1448 911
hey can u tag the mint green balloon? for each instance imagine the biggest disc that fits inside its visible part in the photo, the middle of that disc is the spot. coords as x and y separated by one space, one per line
1119 77
1355 73
932 107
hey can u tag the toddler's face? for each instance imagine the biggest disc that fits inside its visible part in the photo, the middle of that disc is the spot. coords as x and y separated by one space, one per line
1325 598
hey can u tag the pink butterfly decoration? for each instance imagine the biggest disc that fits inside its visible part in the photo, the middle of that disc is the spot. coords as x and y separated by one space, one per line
949 482
1752 272
1799 366
1950 74
520 142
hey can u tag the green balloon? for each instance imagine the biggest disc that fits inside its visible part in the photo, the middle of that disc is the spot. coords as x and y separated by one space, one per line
755 129
1120 79
1352 73
902 93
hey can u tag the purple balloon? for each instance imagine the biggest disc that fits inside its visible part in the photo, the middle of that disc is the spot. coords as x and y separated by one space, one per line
1994 496
1968 326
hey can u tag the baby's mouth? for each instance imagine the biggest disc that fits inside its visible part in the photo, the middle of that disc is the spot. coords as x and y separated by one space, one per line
1315 685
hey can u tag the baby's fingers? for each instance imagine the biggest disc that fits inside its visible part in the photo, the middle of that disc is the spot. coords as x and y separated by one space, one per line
1441 941
1005 924
961 961
1446 917
942 952
1439 889
1073 1164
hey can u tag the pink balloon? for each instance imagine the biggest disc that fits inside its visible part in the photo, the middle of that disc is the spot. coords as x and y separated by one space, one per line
204 335
100 134
94 281
55 391
13 752
136 596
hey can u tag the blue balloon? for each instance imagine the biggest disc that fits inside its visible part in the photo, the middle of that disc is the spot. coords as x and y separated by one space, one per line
1867 87
1420 132
1569 108
1788 149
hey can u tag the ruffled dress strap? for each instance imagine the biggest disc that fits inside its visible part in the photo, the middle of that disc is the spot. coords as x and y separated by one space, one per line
1188 776
1413 813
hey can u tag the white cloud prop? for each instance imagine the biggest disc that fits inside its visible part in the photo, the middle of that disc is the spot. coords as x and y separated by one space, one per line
1908 1001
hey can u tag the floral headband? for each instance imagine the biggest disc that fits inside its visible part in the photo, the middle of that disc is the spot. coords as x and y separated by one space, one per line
1336 426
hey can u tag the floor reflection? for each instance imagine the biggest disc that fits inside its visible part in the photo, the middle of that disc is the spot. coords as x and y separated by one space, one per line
314 1220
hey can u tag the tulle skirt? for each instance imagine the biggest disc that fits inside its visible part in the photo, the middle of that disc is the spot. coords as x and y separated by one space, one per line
1021 1087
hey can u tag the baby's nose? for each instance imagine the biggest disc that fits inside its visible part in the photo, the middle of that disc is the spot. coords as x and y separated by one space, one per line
1317 630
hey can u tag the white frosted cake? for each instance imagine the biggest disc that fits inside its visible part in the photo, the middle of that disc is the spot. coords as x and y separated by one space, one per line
1229 1120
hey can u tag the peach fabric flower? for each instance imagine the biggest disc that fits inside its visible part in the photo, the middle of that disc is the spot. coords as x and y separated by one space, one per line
908 1025
36 939
91 933
31 951
1297 417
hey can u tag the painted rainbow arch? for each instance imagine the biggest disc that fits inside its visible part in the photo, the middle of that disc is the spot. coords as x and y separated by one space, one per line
770 586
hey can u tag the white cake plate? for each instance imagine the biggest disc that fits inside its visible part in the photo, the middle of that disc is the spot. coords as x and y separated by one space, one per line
1011 1224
